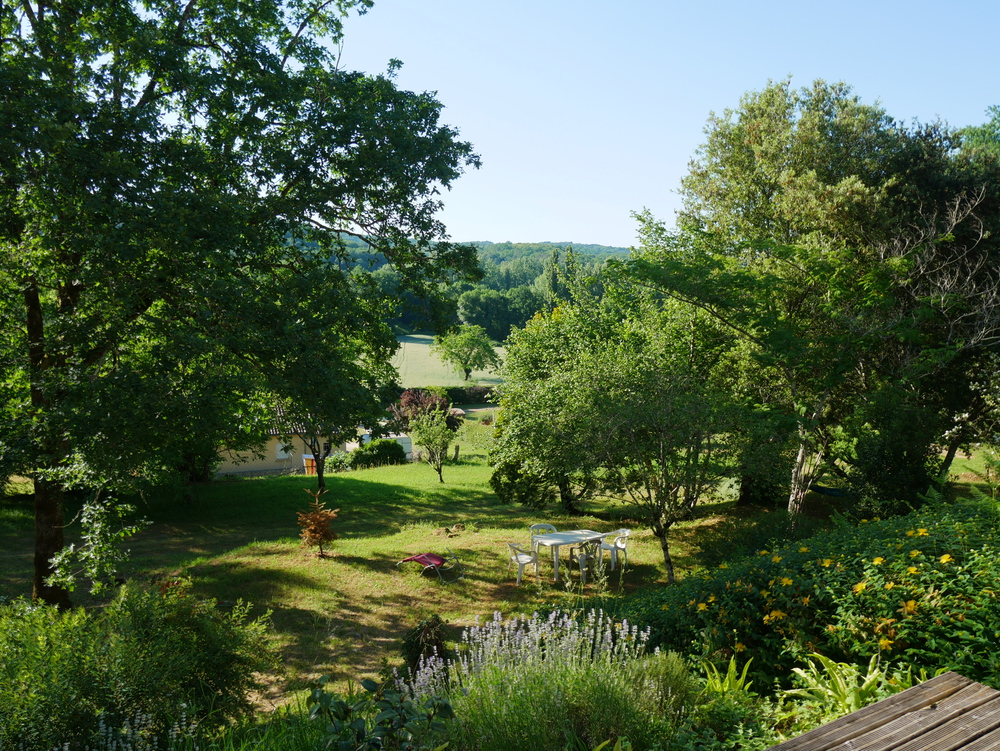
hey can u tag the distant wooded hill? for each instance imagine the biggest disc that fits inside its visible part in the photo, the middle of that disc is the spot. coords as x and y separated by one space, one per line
497 253
519 280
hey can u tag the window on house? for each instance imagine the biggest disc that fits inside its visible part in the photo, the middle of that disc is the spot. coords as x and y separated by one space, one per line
283 451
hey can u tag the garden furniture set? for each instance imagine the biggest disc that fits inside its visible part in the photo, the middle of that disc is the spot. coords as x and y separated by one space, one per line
587 547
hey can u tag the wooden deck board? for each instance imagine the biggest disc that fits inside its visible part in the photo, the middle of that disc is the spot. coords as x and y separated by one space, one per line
979 722
876 715
947 713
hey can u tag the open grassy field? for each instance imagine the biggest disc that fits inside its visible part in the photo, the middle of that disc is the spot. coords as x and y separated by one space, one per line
347 614
418 366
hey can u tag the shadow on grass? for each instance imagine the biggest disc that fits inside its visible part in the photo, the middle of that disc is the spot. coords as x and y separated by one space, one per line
367 506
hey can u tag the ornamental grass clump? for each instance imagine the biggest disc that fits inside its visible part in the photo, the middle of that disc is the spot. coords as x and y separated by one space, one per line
543 682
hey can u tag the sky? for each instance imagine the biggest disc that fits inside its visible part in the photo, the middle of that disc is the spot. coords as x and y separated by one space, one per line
584 112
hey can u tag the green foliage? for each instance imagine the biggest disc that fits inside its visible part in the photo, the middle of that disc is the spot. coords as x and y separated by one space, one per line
99 555
148 654
733 681
382 719
922 590
468 349
838 688
845 251
339 461
732 722
738 536
177 187
616 395
377 453
424 641
470 394
431 431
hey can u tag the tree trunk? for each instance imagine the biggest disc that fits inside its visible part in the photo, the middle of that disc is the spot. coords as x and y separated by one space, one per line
468 372
48 541
667 561
949 457
566 496
320 462
49 518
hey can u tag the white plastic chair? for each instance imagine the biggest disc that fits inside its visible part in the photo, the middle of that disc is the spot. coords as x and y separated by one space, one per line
540 529
582 556
619 539
522 558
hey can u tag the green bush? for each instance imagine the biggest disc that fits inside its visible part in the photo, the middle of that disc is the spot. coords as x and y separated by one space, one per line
338 461
922 590
377 453
148 654
470 394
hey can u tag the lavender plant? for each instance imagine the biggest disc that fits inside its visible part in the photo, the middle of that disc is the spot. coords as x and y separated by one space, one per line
542 682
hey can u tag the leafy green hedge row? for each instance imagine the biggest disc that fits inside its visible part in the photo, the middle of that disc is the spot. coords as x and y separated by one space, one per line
377 453
921 589
149 658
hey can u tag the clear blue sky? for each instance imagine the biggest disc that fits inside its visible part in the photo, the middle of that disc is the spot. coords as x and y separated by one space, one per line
584 112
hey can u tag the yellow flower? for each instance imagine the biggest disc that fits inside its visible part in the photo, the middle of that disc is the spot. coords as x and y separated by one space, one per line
946 558
889 585
803 549
827 562
885 644
914 553
702 606
723 565
765 592
864 521
763 552
922 532
785 581
711 598
912 569
910 533
909 607
776 558
878 561
740 646
665 606
774 615
805 600
859 587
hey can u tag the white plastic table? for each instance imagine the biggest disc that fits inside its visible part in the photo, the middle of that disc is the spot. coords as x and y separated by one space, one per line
555 539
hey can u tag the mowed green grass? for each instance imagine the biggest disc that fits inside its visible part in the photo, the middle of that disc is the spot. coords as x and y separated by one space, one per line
418 366
347 615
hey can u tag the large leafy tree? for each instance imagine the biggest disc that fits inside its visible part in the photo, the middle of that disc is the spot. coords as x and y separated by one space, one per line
618 395
853 255
175 181
467 348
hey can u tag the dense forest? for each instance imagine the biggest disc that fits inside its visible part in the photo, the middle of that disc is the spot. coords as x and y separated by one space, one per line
518 281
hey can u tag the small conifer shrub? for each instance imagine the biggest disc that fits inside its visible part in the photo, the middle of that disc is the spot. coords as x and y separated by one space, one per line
315 522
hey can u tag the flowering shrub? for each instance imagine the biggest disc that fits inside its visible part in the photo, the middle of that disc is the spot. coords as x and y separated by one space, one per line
920 589
542 682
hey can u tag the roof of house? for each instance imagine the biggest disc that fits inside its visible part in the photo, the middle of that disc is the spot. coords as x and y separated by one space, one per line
946 713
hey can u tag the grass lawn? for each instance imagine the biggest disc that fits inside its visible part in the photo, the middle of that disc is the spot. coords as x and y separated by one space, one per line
418 366
347 614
